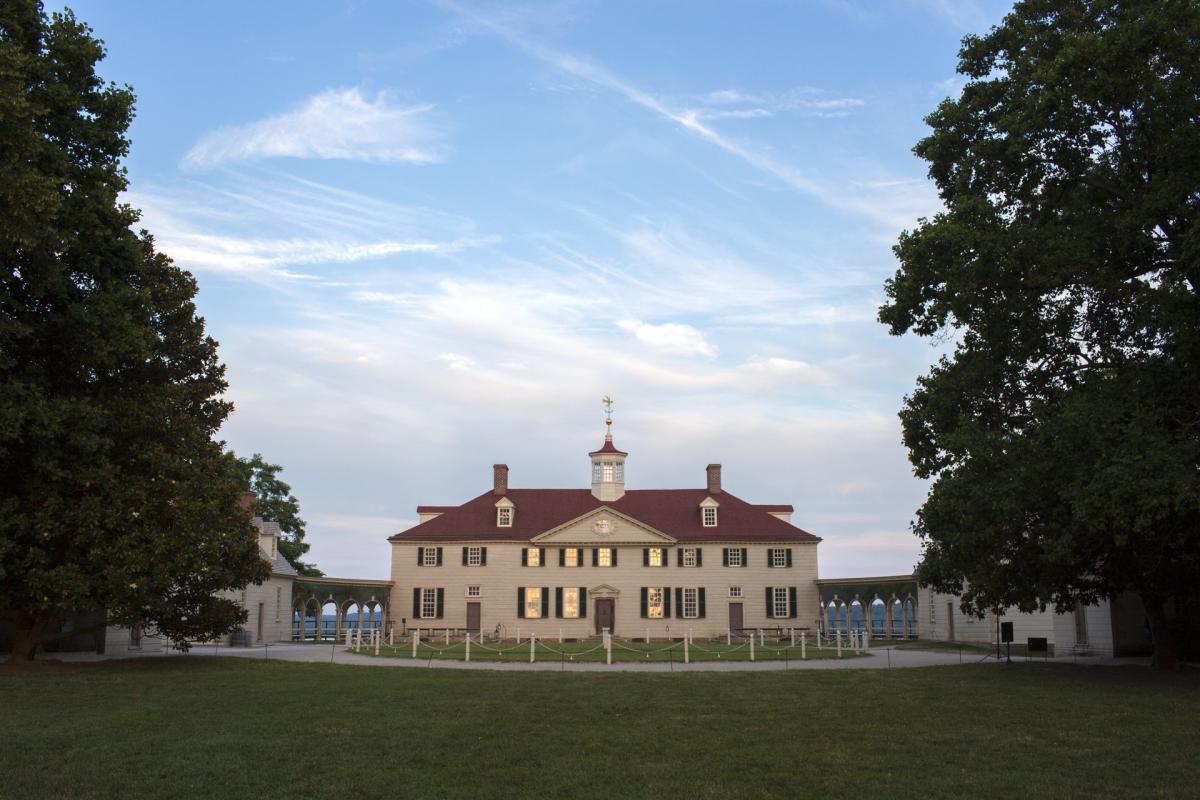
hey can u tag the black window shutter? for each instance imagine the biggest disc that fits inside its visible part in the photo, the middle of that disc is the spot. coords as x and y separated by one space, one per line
792 602
420 556
558 601
579 556
465 556
770 556
483 556
745 556
441 597
645 603
645 556
542 556
679 556
562 556
665 558
699 556
770 603
666 602
700 593
545 601
614 556
416 603
724 556
439 557
582 602
521 601
789 556
524 556
678 601
595 556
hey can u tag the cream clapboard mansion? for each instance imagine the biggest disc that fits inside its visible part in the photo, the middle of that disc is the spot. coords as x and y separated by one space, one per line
637 562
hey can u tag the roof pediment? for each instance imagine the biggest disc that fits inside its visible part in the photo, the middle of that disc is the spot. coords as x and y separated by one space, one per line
603 526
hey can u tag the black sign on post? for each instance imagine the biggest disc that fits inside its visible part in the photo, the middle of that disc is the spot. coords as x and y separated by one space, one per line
1006 631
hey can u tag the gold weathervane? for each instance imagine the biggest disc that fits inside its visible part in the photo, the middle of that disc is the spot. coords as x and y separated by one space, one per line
608 404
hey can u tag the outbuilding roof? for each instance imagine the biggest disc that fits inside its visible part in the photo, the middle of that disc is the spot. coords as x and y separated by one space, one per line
675 512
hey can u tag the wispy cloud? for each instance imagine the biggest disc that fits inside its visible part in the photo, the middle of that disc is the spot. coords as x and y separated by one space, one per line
738 104
836 195
336 124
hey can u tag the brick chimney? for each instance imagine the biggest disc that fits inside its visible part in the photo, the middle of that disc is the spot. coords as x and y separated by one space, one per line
246 500
500 479
714 478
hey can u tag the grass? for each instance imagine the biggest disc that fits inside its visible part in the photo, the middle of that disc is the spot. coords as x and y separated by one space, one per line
233 728
593 651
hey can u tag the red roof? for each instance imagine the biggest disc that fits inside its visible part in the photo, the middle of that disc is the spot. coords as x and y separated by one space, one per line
771 507
675 512
608 447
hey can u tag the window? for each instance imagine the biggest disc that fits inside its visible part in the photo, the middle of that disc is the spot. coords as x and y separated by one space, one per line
779 602
504 517
735 591
570 603
474 556
655 557
533 556
689 556
654 602
608 472
595 472
710 517
779 557
733 556
429 603
620 471
691 603
571 557
278 600
429 556
604 557
533 602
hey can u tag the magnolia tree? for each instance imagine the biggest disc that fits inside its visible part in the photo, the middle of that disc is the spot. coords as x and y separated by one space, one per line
113 493
1062 435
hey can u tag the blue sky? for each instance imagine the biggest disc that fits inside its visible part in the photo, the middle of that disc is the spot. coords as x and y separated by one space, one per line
431 236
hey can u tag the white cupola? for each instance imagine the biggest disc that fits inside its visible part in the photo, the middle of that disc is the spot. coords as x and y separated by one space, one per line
608 464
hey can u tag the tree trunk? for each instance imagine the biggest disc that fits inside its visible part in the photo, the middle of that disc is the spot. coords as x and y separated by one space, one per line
27 635
1164 657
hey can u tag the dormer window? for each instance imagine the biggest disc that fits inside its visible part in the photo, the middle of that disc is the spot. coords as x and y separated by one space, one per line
710 517
504 517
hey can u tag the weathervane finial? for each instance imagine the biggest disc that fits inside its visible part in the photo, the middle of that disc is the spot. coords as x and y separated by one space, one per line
608 404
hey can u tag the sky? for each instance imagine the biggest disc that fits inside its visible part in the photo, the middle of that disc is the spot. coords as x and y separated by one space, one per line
430 237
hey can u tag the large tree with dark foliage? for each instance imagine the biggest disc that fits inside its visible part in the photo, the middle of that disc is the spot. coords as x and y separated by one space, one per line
113 492
1063 434
274 501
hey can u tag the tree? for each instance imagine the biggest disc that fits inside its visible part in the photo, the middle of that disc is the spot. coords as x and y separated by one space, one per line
1063 434
274 501
113 492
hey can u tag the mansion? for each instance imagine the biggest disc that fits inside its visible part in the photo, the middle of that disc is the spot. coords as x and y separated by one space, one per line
638 562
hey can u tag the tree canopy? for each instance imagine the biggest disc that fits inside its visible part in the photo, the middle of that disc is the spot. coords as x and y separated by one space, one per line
1063 433
113 492
274 501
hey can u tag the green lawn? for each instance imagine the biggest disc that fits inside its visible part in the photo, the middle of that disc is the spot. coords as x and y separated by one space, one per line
233 728
623 651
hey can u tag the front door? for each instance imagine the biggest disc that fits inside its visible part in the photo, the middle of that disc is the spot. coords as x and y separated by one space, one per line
472 616
604 614
735 617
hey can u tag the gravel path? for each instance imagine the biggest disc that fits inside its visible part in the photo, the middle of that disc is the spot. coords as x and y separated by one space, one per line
881 657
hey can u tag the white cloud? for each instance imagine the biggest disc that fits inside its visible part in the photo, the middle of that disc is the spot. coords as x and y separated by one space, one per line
336 124
670 337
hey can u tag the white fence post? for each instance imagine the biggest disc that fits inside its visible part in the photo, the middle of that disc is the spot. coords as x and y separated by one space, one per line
647 636
560 635
416 637
728 637
518 634
752 648
803 647
866 641
468 656
793 631
378 641
392 636
532 641
607 647
687 658
447 636
839 644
